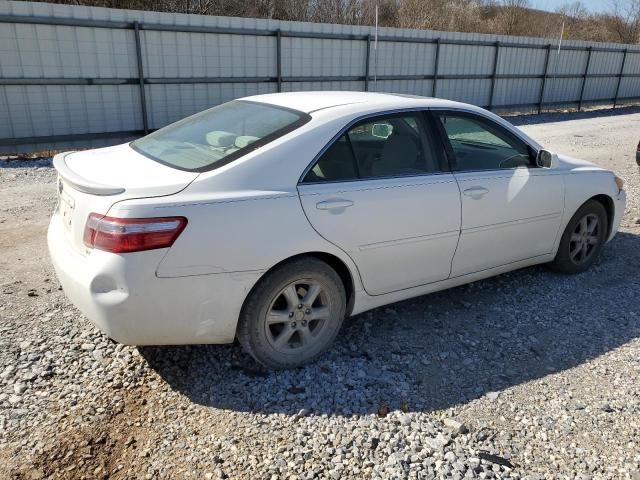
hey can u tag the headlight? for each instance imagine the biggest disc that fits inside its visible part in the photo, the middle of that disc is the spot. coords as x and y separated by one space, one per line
619 182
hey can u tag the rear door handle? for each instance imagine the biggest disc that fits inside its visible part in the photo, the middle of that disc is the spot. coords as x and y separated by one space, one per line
333 204
476 192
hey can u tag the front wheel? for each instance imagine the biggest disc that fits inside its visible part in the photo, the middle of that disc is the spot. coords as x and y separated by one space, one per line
293 314
582 240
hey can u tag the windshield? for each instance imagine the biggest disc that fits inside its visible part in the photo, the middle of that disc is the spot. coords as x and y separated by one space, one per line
213 138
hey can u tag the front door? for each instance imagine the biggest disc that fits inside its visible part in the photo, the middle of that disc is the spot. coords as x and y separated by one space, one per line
511 209
382 194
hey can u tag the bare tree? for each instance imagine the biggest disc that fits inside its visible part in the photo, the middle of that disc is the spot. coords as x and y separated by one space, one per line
624 20
574 16
457 15
511 17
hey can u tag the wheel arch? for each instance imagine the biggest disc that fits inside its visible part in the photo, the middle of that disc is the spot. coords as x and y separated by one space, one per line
607 202
340 267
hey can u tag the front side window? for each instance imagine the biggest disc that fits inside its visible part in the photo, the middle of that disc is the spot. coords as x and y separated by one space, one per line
388 146
214 137
480 145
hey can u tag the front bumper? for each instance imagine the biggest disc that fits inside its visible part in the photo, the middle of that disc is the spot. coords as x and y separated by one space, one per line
620 202
124 298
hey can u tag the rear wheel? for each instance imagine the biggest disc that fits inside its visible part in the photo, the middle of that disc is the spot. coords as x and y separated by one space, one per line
582 240
293 314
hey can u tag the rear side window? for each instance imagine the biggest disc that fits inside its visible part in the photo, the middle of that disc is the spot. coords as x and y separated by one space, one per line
386 146
214 137
336 164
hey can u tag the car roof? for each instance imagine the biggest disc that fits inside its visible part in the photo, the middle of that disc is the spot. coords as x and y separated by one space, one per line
345 104
310 102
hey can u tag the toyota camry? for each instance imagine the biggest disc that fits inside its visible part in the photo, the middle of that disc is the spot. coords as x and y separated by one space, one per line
272 218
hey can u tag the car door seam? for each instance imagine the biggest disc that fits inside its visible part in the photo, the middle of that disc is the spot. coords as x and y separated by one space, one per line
460 200
313 227
556 241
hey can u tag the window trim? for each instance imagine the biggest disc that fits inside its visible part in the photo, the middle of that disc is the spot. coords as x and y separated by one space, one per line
303 118
354 157
453 162
427 123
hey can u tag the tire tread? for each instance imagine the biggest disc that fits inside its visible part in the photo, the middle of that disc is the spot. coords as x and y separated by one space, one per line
250 310
562 263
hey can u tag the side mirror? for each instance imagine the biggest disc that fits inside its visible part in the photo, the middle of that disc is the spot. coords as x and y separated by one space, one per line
381 130
544 159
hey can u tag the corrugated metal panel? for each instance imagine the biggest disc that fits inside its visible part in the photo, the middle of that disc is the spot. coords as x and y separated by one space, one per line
318 86
321 57
632 65
186 55
522 61
65 52
468 91
67 109
169 103
466 59
517 91
629 88
396 58
412 87
605 63
596 88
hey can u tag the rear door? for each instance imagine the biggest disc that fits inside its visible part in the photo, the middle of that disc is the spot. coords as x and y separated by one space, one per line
383 194
511 209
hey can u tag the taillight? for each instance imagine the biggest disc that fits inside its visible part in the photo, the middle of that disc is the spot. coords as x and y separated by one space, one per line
125 235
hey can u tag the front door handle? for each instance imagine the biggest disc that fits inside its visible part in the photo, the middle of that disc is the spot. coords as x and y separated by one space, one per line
476 192
334 204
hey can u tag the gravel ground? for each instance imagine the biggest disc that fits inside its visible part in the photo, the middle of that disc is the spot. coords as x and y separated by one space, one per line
527 375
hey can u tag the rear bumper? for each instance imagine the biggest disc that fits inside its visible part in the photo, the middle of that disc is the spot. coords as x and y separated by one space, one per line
124 298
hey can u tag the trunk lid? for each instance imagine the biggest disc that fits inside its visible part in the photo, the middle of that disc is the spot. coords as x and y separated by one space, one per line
94 180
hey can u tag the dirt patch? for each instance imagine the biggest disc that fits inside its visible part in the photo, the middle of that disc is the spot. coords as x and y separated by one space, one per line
94 450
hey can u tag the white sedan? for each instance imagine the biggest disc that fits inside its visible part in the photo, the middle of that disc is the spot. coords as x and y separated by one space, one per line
272 218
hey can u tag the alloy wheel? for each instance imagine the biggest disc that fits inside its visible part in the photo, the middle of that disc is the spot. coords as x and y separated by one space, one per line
584 239
297 316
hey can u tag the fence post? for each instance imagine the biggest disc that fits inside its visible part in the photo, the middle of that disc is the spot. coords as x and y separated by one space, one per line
143 99
367 60
279 58
584 78
624 60
435 69
544 77
493 75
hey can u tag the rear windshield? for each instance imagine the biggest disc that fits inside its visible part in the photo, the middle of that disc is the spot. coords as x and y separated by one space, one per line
213 138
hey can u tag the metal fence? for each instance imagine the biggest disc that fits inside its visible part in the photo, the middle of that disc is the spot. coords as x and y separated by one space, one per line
75 76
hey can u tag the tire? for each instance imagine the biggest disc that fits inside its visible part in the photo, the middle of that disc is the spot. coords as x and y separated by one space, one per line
582 240
273 328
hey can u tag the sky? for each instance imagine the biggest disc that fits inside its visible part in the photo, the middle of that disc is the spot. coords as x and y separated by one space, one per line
594 6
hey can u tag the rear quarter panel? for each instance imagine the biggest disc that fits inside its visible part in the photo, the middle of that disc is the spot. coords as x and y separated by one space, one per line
241 232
